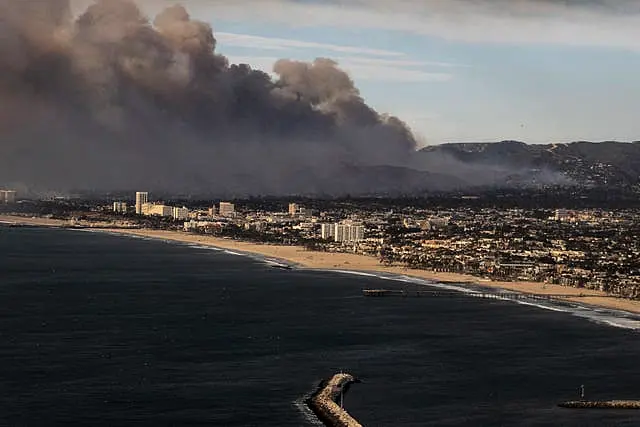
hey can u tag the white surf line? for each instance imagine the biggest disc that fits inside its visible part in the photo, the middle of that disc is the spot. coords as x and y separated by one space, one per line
600 315
306 412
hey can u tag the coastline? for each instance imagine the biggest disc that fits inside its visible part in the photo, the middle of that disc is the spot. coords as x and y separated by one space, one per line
31 221
349 262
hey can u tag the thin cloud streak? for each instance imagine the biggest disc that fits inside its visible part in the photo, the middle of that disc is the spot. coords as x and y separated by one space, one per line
273 43
573 23
401 62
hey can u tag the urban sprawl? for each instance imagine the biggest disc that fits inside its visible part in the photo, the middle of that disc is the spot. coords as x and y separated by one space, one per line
589 248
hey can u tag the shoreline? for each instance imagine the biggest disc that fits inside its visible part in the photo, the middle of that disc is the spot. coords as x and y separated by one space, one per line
349 262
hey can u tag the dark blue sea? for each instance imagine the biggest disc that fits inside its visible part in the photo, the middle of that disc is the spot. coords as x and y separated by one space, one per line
103 330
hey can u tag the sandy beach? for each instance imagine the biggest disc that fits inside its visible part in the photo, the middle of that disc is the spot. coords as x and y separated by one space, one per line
33 221
353 262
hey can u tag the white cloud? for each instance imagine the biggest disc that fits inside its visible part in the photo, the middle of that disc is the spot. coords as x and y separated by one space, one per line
359 68
603 23
272 43
390 73
396 62
382 65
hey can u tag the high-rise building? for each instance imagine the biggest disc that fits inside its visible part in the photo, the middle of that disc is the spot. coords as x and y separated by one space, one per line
212 211
348 233
120 207
339 232
357 233
142 197
293 209
7 196
226 209
328 231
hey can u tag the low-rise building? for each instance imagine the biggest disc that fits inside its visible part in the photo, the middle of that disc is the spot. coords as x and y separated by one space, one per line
180 213
120 207
151 209
227 209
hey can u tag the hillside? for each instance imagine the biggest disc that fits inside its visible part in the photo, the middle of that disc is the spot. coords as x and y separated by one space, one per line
513 163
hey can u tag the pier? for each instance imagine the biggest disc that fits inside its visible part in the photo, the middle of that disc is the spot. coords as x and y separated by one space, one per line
601 404
323 402
481 295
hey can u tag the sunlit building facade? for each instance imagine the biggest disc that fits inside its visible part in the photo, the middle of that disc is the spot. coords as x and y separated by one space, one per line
142 197
226 209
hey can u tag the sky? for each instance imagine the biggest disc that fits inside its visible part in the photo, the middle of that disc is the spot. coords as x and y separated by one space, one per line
537 71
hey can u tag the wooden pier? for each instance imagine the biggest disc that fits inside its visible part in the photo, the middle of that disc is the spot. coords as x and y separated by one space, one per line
479 294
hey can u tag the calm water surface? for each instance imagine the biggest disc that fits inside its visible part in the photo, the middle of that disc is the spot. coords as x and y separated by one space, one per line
107 330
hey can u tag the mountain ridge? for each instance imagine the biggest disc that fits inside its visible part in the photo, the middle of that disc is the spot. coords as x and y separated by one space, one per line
508 163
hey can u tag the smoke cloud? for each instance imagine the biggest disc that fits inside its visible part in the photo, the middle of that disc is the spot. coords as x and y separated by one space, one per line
113 99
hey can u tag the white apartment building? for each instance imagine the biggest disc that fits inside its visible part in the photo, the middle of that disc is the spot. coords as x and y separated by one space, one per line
7 196
343 233
348 233
120 207
180 213
293 209
226 209
142 197
328 231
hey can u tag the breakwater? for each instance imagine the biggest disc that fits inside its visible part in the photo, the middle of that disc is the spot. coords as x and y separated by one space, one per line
482 295
602 404
323 402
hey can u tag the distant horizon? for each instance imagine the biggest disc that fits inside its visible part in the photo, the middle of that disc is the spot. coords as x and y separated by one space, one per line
533 143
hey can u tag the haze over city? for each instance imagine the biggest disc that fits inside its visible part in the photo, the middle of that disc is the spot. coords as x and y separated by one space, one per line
234 212
291 97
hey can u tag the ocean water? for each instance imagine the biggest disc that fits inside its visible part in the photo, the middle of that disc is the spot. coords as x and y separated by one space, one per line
99 330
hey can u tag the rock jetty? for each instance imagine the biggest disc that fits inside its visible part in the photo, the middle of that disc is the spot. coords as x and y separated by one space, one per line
602 404
323 402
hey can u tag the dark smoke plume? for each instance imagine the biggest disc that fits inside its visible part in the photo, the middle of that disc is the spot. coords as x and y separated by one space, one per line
114 100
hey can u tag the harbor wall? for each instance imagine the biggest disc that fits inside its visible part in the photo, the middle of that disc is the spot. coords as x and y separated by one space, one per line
323 402
603 404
